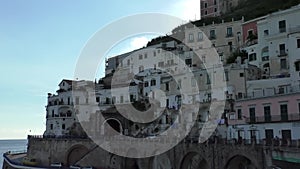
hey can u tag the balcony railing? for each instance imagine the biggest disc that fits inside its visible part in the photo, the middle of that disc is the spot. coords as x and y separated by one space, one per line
269 93
273 118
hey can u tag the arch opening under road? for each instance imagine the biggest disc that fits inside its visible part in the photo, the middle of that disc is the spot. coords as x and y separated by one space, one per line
193 160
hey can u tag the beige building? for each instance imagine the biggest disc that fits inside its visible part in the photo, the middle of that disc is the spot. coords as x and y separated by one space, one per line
226 37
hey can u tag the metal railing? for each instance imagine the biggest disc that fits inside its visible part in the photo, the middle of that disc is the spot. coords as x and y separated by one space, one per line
268 93
273 118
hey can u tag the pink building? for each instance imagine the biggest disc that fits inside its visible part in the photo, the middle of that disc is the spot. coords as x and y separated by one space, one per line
213 8
250 29
210 8
266 117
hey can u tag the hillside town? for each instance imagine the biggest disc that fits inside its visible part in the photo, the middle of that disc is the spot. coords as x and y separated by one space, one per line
262 88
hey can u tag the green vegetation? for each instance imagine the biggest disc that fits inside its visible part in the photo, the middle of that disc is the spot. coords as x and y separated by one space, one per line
243 54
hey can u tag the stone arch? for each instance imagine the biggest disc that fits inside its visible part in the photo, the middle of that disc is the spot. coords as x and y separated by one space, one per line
75 154
131 162
193 160
238 161
114 124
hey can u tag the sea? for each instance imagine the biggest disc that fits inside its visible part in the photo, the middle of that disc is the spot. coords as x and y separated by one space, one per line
11 145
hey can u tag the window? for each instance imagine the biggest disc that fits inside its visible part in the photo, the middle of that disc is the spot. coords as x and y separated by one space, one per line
140 57
212 34
229 32
226 77
299 107
284 112
282 49
283 64
216 9
51 126
281 90
215 2
230 46
87 100
188 62
52 113
208 96
145 55
191 37
200 36
128 62
266 32
153 82
239 112
146 84
205 13
265 54
205 5
193 82
252 115
298 43
167 86
297 66
241 74
160 64
282 26
240 95
63 126
267 113
132 98
250 33
121 99
252 57
208 79
154 53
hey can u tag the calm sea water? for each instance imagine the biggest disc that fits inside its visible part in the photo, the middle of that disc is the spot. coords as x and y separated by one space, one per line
11 145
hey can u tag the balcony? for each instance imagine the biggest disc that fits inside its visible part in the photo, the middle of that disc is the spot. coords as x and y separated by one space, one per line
284 90
273 118
212 37
229 35
282 53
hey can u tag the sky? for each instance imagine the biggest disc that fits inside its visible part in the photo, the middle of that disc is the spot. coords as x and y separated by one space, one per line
40 42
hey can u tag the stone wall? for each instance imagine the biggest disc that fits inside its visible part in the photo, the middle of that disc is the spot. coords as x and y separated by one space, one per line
185 155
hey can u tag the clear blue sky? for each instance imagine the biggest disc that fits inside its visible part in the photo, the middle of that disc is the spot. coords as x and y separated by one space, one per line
40 41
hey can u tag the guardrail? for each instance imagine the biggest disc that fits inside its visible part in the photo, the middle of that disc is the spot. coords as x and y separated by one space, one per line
55 137
273 118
